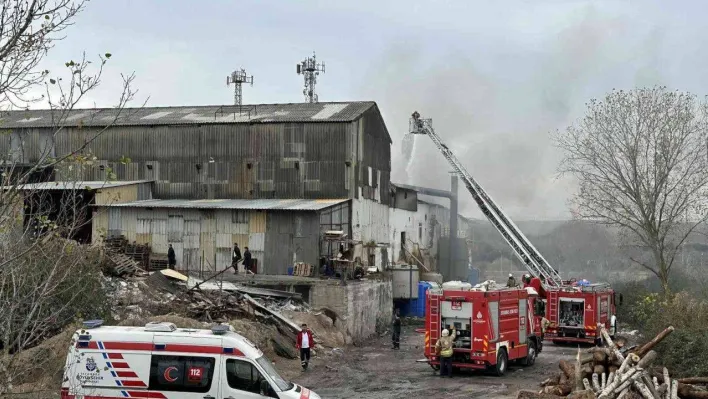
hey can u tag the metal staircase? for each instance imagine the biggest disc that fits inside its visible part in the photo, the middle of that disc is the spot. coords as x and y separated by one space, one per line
522 247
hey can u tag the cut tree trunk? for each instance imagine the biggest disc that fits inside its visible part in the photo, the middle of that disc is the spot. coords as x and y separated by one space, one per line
644 349
694 380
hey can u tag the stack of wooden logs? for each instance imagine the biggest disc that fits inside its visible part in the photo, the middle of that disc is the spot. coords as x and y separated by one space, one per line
614 371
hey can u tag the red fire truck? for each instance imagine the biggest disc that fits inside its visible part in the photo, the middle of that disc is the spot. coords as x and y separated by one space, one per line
494 327
575 311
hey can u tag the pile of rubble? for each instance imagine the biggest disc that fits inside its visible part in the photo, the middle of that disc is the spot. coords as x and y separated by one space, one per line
616 370
167 292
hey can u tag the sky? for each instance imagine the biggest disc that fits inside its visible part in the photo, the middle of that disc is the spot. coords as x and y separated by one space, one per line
497 79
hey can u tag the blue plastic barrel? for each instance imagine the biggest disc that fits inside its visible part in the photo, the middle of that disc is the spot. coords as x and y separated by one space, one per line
291 270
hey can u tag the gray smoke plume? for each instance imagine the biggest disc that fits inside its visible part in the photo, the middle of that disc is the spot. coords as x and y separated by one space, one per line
497 109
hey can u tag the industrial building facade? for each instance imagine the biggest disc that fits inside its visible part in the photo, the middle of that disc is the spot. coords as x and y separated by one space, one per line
270 177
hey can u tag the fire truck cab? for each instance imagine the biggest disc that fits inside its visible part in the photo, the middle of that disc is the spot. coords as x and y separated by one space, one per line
494 327
161 361
576 313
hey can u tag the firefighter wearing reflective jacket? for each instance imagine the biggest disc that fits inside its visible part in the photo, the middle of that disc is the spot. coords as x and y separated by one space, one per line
444 348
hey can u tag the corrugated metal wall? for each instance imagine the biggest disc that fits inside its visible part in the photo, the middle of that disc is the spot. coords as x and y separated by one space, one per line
291 233
277 160
203 239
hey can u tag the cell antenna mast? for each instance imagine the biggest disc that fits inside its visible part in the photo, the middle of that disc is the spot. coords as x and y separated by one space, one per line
310 69
237 78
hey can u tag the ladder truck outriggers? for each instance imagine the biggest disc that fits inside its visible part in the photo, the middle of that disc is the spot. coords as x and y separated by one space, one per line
575 310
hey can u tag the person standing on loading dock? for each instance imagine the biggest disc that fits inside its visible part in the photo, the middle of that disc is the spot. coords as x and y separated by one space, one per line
304 343
235 257
171 258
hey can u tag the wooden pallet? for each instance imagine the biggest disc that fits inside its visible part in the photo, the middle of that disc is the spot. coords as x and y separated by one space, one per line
122 264
302 269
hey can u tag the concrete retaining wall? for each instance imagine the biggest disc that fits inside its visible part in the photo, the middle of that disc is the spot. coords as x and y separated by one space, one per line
365 307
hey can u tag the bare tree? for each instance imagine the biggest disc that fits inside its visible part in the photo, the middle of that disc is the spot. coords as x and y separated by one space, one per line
640 160
47 280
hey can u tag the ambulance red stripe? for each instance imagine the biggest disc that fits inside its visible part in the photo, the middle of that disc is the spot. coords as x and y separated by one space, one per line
126 374
144 394
132 383
119 365
114 356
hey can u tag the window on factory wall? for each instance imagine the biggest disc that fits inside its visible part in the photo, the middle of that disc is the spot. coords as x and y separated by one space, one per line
294 140
299 226
238 217
420 233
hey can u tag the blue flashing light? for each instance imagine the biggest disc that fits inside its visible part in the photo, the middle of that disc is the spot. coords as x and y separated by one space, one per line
83 344
160 347
228 350
88 324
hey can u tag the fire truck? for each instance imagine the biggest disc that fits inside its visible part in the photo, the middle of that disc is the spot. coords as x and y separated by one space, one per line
493 327
575 311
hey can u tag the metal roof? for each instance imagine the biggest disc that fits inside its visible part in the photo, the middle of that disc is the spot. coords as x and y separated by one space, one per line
78 185
186 115
245 204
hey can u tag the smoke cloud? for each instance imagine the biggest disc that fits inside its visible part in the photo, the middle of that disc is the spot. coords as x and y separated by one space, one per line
496 105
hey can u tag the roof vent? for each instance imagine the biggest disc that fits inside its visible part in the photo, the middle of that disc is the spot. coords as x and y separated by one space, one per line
160 327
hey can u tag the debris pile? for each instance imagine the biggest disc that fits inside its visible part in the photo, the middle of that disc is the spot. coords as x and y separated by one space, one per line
616 370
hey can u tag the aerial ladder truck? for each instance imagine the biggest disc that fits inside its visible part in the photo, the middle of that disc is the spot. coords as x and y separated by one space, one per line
575 311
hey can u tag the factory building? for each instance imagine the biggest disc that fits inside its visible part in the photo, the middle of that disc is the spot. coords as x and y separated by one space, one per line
272 177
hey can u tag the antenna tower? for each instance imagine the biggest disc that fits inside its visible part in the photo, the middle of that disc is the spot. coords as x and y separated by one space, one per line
310 69
237 78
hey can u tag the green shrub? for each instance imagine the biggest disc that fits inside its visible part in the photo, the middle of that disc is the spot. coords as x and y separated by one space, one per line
685 351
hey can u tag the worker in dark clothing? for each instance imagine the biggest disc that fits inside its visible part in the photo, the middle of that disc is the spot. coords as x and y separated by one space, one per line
171 258
247 260
511 282
396 337
235 257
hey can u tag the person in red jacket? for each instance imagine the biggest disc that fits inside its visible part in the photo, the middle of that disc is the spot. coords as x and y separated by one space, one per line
304 343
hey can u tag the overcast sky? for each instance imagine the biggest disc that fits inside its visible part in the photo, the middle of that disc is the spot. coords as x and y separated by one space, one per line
497 79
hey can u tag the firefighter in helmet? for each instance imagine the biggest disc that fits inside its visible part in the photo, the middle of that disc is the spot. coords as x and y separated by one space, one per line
511 282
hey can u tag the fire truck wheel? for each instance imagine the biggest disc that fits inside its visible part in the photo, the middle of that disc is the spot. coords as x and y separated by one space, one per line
530 356
502 362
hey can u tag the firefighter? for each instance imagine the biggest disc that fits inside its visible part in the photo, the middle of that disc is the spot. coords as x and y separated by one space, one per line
444 348
545 323
511 282
396 337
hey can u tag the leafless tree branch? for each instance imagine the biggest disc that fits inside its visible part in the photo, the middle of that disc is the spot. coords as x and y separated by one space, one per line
640 159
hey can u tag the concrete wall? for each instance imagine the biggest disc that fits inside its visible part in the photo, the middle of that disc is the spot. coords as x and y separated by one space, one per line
365 307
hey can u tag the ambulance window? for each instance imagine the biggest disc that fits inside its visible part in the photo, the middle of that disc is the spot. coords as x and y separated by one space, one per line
181 373
243 376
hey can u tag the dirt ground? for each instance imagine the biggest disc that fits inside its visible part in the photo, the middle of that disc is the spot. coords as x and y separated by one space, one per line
376 371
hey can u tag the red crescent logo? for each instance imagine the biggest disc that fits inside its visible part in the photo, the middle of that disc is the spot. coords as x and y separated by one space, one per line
167 373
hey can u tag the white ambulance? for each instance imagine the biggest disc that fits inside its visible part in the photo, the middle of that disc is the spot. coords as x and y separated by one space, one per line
161 361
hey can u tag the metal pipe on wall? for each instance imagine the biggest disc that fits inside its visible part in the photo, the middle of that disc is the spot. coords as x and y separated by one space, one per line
454 273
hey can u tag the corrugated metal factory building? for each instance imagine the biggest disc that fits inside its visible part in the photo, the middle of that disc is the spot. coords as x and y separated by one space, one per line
202 232
321 150
221 175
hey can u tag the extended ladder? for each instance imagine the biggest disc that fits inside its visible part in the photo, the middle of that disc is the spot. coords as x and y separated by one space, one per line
523 249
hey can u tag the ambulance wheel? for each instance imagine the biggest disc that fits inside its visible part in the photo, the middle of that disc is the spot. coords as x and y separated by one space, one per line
502 362
530 358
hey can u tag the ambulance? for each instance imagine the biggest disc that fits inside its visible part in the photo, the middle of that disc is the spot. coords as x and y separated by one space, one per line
161 361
